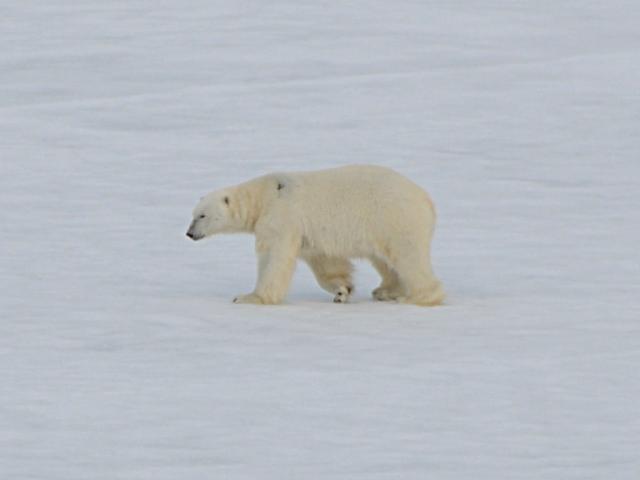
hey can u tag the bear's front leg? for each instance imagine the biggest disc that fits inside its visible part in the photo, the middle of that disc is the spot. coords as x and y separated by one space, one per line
333 274
342 296
276 264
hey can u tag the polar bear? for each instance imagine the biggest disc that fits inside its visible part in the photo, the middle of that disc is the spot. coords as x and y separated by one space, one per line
327 217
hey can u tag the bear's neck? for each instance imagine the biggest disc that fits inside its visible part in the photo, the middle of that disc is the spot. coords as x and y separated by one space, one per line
248 203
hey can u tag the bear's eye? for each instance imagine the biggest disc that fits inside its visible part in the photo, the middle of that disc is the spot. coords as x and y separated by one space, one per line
202 216
226 200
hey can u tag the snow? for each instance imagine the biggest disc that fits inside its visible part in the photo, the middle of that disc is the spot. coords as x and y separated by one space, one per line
121 356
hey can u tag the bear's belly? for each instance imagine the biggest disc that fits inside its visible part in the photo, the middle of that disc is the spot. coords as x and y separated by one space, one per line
336 244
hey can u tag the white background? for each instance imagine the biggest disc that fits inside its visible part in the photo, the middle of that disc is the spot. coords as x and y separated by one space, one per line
121 356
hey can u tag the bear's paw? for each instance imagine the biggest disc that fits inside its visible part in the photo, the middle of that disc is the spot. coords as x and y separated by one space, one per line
250 298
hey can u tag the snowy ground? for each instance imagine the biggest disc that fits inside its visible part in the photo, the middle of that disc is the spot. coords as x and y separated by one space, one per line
121 356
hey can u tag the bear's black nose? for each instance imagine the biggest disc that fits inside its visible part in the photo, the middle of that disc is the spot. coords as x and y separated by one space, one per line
190 235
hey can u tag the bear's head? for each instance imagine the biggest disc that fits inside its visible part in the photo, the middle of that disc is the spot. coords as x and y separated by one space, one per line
213 215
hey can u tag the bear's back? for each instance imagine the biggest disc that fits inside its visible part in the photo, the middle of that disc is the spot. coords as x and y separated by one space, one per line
352 202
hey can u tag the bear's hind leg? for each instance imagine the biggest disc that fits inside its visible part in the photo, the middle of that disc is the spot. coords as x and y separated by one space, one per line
333 274
421 285
390 288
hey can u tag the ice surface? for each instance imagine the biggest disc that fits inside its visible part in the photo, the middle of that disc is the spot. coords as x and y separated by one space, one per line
121 356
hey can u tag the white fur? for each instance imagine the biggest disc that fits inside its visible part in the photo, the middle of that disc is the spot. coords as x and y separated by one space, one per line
327 217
